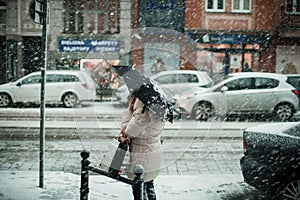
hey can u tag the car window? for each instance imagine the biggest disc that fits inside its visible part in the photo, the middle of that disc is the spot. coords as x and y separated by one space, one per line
71 78
165 79
187 78
264 83
51 78
240 84
294 81
32 79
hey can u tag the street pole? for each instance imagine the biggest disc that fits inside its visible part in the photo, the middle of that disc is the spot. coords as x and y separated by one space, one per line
43 82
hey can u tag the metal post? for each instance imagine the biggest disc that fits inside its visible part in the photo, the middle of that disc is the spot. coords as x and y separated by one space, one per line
138 187
43 81
84 188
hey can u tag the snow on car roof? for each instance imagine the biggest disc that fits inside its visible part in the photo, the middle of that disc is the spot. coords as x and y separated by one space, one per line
278 128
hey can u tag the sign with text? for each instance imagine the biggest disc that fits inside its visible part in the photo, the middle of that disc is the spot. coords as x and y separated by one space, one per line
226 38
103 46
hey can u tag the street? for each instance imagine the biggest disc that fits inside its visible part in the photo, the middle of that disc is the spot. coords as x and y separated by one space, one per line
189 147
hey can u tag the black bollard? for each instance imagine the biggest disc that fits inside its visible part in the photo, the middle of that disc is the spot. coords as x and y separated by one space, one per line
138 187
84 189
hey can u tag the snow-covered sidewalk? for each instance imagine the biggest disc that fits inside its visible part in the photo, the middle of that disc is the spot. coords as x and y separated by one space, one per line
23 185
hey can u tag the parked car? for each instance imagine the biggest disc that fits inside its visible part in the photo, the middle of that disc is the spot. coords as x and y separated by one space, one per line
68 87
294 80
246 92
271 160
178 81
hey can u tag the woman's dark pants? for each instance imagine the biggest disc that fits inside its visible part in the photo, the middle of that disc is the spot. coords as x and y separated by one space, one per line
149 192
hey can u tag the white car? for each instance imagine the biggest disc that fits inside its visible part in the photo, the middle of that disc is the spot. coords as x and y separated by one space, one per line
247 92
67 87
178 81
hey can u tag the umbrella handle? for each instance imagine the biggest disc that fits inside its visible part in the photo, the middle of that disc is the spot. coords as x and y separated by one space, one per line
144 108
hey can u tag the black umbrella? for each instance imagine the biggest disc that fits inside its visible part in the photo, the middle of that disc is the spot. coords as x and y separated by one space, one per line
148 91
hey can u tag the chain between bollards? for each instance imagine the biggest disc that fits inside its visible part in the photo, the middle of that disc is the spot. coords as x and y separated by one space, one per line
137 183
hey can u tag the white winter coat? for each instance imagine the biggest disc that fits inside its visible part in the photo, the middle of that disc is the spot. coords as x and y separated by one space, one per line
143 129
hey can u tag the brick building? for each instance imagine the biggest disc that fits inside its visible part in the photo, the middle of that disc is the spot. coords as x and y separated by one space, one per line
218 35
212 35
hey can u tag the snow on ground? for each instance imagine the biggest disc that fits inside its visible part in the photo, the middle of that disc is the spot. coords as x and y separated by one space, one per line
23 185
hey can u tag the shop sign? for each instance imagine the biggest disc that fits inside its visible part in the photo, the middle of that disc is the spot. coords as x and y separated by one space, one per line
228 39
103 46
231 38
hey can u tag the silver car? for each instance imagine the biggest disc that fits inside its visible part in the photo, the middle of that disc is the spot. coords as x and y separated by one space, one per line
178 81
66 87
247 92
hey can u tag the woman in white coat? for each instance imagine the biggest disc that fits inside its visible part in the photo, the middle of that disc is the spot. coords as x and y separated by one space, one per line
143 129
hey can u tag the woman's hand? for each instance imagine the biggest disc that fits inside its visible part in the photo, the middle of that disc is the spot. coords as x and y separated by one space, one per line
122 139
122 136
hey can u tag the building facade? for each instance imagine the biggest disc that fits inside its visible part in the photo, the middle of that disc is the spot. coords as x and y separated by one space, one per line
20 40
80 34
217 36
221 36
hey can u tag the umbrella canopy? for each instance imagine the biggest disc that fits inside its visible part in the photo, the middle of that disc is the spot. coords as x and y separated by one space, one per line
147 91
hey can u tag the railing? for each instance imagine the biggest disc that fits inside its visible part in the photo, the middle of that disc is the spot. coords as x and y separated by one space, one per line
137 183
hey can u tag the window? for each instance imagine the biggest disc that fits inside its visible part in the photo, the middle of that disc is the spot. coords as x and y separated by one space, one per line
32 79
292 7
93 16
240 84
215 5
242 6
294 81
54 78
103 16
73 16
71 78
264 83
165 79
169 14
2 15
187 78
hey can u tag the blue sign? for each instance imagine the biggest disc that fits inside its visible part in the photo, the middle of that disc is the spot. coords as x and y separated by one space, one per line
228 39
103 46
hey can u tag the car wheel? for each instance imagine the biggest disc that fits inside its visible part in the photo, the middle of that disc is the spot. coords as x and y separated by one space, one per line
202 111
291 190
5 100
284 112
69 100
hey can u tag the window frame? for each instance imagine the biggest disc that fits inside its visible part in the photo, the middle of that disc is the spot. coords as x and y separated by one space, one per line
214 5
294 7
241 6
